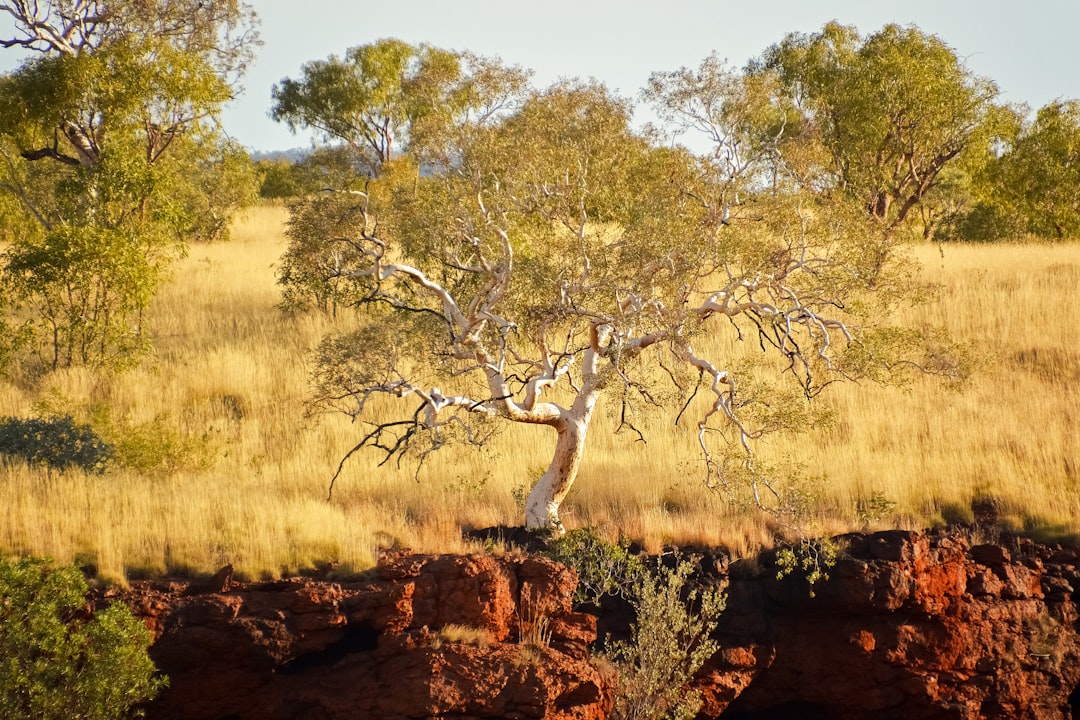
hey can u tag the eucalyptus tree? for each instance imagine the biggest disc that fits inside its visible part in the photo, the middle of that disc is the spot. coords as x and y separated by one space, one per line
102 70
1036 180
558 257
384 103
379 96
108 130
893 109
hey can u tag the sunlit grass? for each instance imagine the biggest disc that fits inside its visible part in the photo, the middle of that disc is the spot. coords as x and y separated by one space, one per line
229 378
1012 432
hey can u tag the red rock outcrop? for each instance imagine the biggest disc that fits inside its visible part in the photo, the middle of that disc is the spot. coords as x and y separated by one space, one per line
431 636
909 627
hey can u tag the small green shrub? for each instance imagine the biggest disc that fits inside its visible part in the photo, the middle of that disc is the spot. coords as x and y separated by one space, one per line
59 662
154 446
55 442
670 641
811 558
604 568
671 637
879 507
157 447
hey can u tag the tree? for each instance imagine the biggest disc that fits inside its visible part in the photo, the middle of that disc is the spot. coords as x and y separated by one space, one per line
87 289
59 661
379 97
322 169
319 229
1037 180
893 109
383 100
559 256
161 68
219 181
111 158
278 179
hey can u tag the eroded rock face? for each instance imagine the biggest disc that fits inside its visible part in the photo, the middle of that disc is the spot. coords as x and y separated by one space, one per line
431 636
909 627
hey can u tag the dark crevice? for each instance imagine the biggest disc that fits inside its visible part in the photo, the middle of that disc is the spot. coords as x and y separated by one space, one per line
358 638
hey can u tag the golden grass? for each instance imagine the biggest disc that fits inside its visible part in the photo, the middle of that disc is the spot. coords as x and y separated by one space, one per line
464 634
1012 432
230 376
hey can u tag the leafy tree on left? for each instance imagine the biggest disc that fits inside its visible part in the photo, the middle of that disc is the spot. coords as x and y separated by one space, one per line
110 153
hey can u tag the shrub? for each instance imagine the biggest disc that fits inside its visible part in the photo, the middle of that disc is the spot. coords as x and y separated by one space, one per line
670 641
671 637
55 442
810 558
604 568
154 446
59 661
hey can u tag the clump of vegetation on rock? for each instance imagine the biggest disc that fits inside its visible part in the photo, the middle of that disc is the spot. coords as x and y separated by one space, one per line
670 641
57 660
671 637
605 569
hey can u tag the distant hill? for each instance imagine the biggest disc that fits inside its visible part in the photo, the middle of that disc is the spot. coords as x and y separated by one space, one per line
294 155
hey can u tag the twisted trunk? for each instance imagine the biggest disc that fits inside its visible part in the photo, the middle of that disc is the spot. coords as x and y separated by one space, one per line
542 505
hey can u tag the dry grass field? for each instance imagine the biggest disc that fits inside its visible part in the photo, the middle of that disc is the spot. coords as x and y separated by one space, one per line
241 473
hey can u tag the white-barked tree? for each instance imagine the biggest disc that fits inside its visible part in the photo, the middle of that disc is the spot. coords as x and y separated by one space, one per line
548 256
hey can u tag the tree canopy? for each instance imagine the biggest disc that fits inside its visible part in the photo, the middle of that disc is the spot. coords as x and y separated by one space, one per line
110 70
892 109
380 97
558 256
111 158
1037 180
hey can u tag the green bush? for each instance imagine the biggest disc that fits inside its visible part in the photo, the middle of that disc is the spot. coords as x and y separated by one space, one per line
55 442
670 641
154 447
604 568
672 635
59 661
810 558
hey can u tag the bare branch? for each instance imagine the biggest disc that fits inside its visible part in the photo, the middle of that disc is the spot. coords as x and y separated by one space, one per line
374 439
42 33
723 403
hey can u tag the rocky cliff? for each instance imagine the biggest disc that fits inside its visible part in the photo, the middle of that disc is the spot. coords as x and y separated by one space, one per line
910 626
430 636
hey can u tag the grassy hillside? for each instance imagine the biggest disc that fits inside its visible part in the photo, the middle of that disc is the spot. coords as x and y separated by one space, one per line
226 466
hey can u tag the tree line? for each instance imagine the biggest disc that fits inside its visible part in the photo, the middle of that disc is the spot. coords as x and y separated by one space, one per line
894 117
114 158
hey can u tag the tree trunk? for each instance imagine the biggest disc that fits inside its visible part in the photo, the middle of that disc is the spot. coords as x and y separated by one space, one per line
542 505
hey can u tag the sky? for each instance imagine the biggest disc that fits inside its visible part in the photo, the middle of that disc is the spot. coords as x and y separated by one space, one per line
1031 52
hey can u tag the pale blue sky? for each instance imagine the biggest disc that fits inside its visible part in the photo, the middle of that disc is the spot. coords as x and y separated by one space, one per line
1032 52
